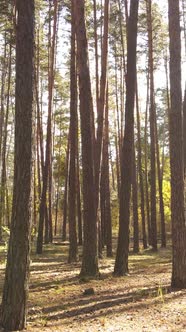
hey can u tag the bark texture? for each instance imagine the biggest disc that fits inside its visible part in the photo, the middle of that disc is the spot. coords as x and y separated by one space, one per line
121 263
90 257
176 151
15 290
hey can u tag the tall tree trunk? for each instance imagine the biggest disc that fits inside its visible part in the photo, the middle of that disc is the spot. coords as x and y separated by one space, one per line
73 124
2 125
102 101
121 263
121 90
184 22
184 132
58 191
3 78
118 172
117 127
7 207
50 195
56 210
78 189
108 217
42 210
15 292
146 165
152 129
101 106
106 222
79 214
119 122
135 203
160 185
96 54
102 229
142 196
34 213
122 37
126 12
65 197
176 151
4 145
184 101
90 250
112 168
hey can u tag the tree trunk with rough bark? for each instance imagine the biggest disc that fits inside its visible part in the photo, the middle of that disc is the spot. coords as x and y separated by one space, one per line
121 263
90 248
15 292
176 150
43 205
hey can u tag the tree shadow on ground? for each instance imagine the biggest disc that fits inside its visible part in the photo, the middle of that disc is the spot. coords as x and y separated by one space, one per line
47 285
104 305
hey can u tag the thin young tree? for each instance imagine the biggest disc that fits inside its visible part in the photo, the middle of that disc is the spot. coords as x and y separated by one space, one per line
101 101
152 127
65 195
140 171
73 120
160 185
135 203
15 292
78 196
2 124
147 203
4 144
106 219
42 210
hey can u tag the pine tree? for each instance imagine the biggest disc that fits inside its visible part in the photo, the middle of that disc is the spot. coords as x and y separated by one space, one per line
15 292
176 151
90 257
121 263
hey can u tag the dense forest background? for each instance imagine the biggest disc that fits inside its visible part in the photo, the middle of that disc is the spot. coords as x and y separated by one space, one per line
94 94
57 195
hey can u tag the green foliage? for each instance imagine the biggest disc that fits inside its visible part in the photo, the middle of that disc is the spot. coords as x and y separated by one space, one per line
115 211
6 232
6 10
159 31
167 190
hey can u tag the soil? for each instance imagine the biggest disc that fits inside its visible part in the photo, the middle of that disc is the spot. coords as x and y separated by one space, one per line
142 301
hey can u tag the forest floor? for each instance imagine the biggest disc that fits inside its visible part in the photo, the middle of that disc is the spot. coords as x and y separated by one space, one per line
141 301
